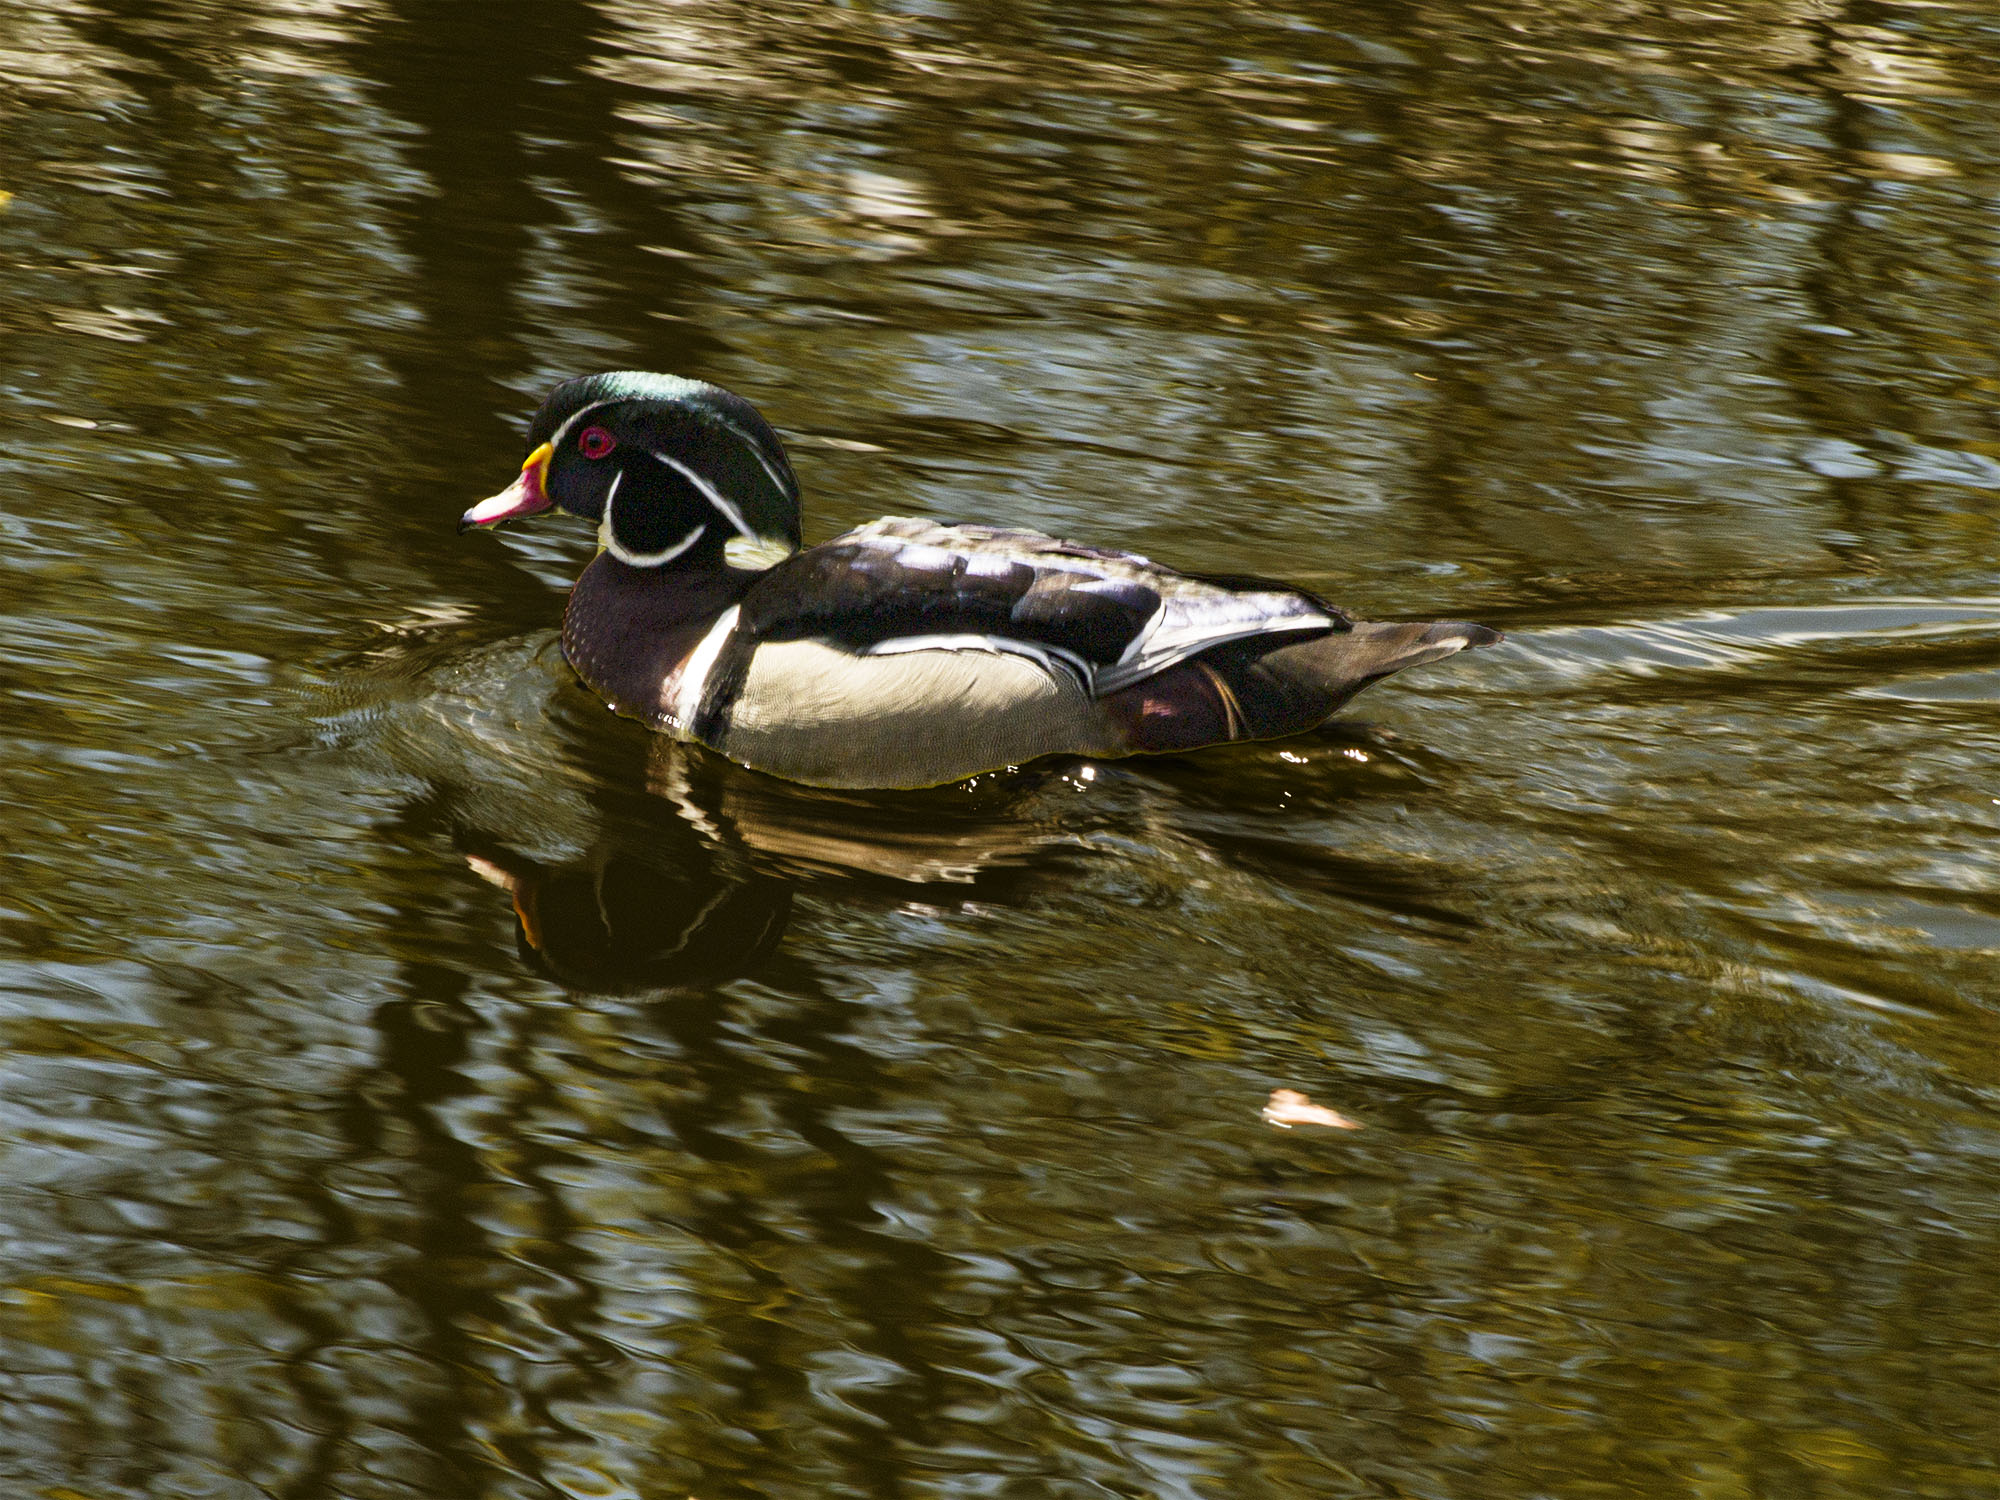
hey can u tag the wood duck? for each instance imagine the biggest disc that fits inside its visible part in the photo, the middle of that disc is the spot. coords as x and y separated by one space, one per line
905 653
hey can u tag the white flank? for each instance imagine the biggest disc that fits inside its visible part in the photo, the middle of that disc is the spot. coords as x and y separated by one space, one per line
1051 659
694 674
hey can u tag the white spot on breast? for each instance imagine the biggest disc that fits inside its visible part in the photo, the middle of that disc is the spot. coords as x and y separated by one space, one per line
694 673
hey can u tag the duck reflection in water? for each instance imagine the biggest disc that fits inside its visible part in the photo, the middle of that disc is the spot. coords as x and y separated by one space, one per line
635 862
629 920
700 891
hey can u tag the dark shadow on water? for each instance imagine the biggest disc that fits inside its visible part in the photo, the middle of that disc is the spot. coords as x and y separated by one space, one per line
690 877
634 863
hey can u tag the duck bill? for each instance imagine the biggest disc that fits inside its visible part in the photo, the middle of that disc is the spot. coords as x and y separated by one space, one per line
524 497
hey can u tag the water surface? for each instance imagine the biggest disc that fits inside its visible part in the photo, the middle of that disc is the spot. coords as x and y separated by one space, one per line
415 1083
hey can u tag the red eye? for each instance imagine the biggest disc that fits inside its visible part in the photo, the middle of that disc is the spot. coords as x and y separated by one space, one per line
595 442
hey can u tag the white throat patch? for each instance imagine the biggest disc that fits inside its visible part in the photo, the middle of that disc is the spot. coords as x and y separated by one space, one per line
607 538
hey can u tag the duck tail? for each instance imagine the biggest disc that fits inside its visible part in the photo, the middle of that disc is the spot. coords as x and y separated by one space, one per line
1291 689
1374 649
1257 690
1288 688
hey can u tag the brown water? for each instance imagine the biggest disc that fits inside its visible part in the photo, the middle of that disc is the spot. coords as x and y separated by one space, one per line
413 1084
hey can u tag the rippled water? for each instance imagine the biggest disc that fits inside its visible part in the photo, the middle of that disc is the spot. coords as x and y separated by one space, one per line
415 1083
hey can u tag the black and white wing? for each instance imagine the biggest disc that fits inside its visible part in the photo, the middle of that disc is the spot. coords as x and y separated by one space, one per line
1109 618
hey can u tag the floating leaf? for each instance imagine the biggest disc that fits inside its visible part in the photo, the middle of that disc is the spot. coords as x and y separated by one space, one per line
1288 1107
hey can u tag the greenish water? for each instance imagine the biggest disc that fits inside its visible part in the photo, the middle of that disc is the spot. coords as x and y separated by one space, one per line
413 1083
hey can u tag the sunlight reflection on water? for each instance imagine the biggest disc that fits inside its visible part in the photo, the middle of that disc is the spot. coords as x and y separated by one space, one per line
417 1083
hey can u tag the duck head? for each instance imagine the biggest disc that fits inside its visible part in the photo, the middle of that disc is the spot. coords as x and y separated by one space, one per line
674 473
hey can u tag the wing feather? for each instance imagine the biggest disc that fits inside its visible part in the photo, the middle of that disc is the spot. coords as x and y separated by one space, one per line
1111 618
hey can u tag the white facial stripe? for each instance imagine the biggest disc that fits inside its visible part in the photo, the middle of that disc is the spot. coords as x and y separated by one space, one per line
778 481
709 493
700 662
556 442
757 452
